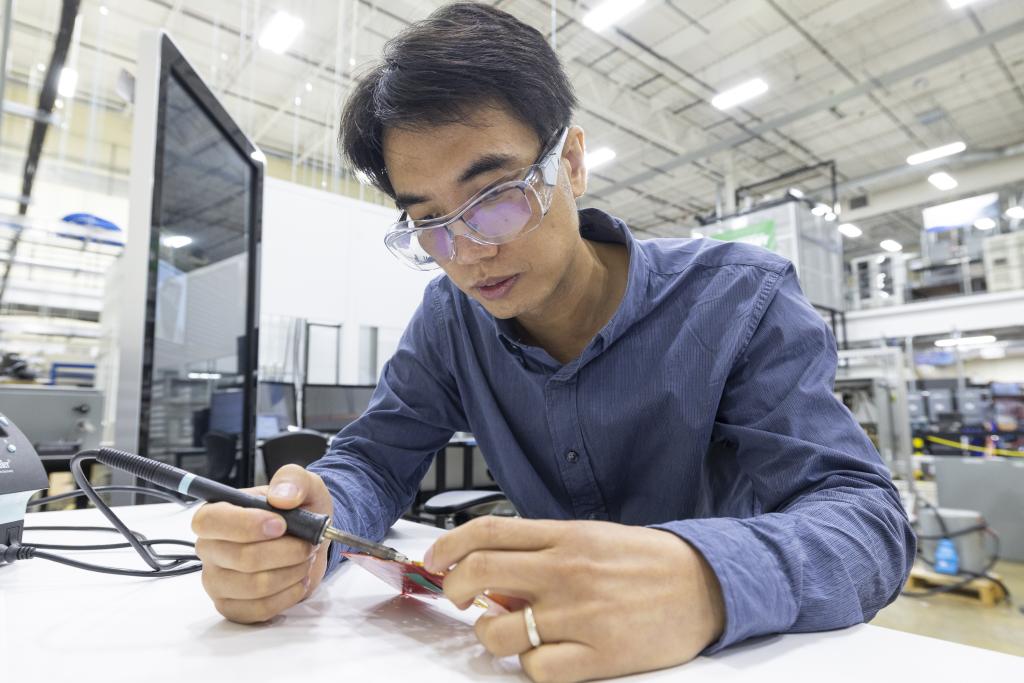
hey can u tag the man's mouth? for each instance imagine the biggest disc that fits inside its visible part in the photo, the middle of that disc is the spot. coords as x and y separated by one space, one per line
496 287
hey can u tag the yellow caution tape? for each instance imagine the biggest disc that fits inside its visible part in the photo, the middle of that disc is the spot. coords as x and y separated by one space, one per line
976 449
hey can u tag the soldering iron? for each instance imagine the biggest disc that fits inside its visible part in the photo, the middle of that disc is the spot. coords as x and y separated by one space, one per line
309 526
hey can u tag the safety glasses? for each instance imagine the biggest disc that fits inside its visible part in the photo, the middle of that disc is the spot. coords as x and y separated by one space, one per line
500 213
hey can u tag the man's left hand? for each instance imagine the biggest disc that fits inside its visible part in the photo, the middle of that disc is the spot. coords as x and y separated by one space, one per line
608 599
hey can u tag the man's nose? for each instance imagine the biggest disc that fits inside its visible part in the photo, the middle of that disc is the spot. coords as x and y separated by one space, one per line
468 251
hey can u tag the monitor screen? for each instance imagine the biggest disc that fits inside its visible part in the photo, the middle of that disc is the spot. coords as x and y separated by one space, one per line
226 411
330 407
277 400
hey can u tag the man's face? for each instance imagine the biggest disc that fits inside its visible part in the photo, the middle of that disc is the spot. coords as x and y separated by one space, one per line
437 169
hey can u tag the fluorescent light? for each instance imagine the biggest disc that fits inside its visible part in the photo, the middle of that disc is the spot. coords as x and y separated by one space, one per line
608 12
298 101
598 157
796 192
820 209
204 375
942 181
891 245
740 94
829 216
309 87
957 4
985 223
258 156
850 230
936 153
103 10
40 67
1015 212
176 241
966 341
280 32
67 83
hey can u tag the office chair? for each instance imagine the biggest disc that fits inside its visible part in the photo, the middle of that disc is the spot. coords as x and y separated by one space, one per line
452 508
220 456
292 448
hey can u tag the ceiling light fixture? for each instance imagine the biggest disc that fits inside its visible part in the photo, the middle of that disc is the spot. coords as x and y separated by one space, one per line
820 209
280 32
67 83
608 12
298 101
891 245
103 10
796 192
740 94
176 241
309 87
966 341
598 157
985 223
943 181
936 153
1015 212
850 230
204 375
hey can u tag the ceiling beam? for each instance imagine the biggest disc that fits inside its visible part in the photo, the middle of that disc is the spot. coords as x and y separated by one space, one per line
47 97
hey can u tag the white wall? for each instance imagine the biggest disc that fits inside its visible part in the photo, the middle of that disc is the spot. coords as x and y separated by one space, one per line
324 259
1009 369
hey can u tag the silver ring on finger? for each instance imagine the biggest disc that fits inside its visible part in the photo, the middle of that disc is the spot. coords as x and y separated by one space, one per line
531 627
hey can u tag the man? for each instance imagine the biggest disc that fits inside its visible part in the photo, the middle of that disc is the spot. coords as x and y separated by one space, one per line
661 412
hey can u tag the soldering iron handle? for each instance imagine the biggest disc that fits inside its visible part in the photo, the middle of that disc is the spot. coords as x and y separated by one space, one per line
309 526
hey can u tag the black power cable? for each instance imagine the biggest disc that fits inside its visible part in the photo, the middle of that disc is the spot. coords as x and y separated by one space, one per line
969 576
160 564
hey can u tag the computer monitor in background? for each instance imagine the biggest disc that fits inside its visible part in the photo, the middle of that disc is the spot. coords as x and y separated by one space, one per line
275 400
226 411
330 407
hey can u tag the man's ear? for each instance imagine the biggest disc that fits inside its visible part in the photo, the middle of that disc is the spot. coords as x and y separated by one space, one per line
573 153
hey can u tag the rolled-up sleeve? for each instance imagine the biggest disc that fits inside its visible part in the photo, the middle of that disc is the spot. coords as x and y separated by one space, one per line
374 466
831 544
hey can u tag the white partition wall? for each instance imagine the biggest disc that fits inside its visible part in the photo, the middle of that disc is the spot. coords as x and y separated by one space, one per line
324 260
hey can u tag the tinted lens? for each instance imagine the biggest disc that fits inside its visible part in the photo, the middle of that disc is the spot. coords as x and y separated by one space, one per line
436 242
502 214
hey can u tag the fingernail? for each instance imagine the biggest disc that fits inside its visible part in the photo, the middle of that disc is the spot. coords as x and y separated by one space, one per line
428 559
273 527
284 490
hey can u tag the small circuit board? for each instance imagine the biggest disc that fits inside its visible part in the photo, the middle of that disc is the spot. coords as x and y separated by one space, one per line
409 578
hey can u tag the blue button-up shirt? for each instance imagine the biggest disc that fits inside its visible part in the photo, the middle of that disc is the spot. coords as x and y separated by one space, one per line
704 407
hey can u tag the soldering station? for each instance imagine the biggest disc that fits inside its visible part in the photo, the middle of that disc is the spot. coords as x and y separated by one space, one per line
22 475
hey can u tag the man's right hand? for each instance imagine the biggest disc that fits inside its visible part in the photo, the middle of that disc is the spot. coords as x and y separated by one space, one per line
251 570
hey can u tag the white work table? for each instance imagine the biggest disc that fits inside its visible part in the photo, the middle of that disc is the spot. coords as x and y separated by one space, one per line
63 624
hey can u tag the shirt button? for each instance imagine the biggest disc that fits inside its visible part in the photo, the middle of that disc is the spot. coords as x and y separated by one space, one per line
572 456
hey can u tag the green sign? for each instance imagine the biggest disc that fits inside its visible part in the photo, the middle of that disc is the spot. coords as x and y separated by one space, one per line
759 234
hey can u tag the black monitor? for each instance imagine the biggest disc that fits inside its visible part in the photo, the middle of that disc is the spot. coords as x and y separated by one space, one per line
191 260
276 400
330 407
227 411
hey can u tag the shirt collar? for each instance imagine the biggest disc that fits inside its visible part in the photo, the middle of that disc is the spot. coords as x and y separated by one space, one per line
598 226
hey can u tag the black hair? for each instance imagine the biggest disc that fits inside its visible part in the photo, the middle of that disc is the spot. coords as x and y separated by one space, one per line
442 70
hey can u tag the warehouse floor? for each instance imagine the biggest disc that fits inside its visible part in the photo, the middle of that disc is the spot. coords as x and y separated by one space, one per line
964 619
